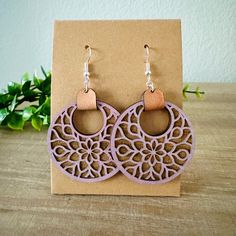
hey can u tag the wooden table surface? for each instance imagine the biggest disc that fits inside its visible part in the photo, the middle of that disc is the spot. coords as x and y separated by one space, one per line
207 205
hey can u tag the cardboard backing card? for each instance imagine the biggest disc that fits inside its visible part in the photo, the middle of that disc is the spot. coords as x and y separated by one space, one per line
117 75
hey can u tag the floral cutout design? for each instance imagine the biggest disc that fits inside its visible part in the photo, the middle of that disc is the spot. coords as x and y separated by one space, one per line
152 159
86 158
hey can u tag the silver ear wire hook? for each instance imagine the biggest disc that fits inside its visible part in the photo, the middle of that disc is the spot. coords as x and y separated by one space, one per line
148 72
147 52
86 68
89 49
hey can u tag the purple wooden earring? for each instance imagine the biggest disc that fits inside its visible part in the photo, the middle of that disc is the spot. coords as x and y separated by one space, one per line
148 159
82 157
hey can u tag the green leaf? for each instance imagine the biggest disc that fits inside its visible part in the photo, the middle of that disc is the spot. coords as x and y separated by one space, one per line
49 74
31 96
28 113
45 109
15 121
14 88
4 122
32 90
186 87
26 87
185 95
37 82
5 99
37 122
46 120
42 99
44 72
3 91
25 77
46 86
198 93
13 103
3 114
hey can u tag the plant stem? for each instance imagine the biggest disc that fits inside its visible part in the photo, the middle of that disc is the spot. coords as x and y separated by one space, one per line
23 100
190 91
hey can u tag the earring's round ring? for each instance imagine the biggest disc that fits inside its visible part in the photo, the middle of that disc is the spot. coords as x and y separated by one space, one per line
82 157
148 159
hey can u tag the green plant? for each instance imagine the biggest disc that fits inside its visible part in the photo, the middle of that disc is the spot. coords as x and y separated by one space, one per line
197 91
35 94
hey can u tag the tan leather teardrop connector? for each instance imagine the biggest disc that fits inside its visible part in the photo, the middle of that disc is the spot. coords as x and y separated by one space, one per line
153 100
86 100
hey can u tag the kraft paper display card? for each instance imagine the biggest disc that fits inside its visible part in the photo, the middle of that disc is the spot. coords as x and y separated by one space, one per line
116 68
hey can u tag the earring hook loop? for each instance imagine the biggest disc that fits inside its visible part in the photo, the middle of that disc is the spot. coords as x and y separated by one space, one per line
147 52
148 72
86 68
89 50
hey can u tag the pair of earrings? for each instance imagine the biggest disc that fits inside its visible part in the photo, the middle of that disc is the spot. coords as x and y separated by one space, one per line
121 144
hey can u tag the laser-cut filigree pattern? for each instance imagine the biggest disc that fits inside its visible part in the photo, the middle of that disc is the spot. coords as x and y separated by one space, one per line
86 158
151 159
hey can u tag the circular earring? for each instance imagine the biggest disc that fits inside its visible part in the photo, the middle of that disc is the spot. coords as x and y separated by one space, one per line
86 158
152 159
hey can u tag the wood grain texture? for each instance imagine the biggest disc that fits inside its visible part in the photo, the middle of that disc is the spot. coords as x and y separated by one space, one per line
207 205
